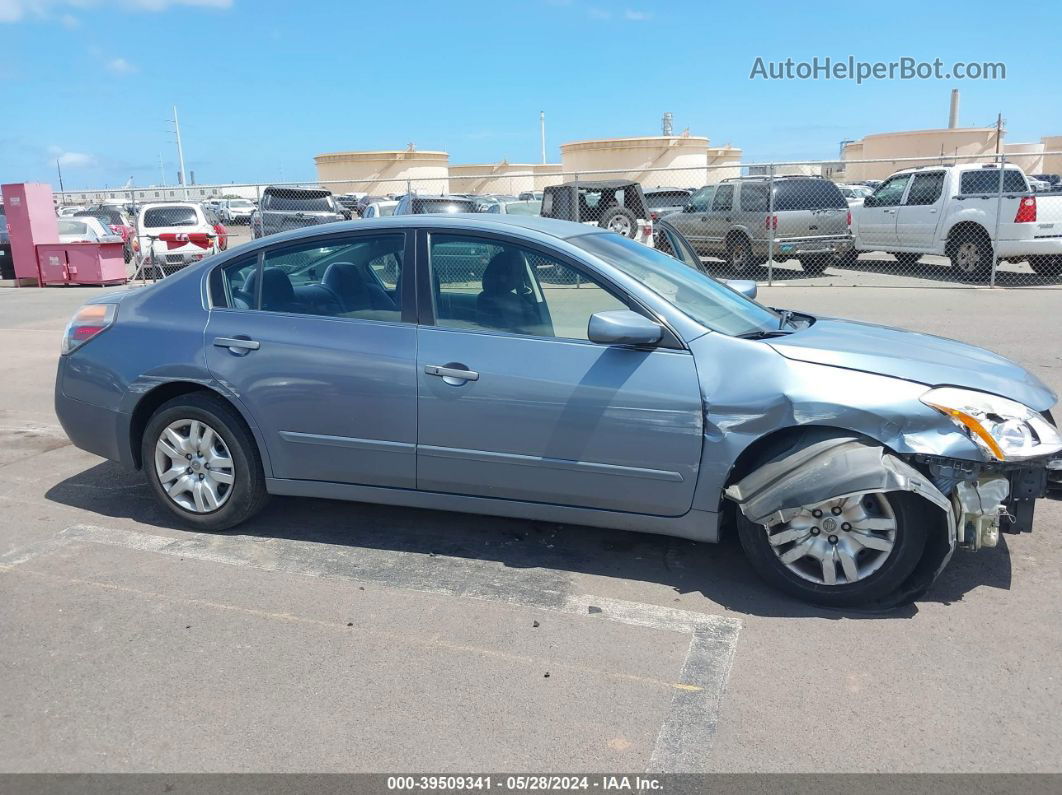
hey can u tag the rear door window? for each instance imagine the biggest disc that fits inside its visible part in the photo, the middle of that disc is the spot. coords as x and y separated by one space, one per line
753 197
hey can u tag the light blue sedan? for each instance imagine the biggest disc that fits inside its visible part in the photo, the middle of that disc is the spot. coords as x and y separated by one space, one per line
529 367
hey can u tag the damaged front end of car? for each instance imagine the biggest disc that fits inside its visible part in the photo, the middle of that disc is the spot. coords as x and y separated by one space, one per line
974 501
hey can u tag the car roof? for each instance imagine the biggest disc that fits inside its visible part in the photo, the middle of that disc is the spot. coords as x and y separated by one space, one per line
601 183
153 205
530 226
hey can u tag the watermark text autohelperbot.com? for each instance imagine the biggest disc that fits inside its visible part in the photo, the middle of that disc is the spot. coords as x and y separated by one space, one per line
850 68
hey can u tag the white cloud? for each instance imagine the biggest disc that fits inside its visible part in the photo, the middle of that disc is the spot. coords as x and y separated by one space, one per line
69 21
17 10
120 66
71 159
637 16
599 13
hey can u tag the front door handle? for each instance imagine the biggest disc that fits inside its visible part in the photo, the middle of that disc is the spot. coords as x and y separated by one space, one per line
237 344
456 373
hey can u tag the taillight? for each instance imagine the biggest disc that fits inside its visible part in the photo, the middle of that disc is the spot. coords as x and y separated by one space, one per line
849 217
1026 211
89 321
770 222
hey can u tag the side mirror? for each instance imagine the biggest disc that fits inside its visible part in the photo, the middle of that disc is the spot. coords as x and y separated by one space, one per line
746 287
870 201
623 327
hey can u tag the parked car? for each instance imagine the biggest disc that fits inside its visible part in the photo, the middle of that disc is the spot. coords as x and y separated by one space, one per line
944 210
746 220
850 459
193 236
616 205
69 210
366 200
236 211
515 207
418 205
1038 185
115 219
86 229
7 265
854 194
530 195
664 201
1054 181
379 209
348 205
284 208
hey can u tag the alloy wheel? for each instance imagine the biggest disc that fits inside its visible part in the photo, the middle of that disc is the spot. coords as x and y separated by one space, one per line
621 225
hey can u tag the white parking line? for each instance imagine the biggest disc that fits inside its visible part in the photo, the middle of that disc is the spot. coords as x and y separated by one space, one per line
684 741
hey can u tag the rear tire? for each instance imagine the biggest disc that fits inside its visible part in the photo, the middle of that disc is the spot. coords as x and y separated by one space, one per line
971 256
245 493
739 254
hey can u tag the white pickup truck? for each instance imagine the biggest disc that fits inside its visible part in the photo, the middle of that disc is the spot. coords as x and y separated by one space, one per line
952 211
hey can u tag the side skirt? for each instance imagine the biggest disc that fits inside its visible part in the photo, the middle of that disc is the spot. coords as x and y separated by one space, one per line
694 525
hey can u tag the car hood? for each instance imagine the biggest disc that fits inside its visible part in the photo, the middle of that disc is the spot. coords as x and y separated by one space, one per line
912 356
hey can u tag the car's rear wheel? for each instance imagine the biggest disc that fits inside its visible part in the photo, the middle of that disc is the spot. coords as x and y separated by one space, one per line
739 254
844 552
202 462
971 257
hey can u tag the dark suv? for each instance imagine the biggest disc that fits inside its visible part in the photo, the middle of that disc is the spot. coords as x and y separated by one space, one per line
614 204
745 220
282 209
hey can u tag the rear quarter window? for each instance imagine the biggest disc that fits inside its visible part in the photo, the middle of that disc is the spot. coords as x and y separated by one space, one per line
807 194
987 181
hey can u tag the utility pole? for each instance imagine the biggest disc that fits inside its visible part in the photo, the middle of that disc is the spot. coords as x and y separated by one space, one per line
59 168
542 132
162 172
180 151
999 133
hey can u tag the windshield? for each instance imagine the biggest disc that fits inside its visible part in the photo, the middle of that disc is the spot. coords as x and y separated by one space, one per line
299 202
443 205
170 216
240 203
523 208
69 226
667 199
702 298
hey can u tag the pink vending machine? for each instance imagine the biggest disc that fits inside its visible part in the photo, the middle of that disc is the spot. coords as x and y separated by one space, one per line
30 211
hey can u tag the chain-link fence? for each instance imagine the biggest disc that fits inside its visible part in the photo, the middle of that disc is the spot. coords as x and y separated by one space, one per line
978 220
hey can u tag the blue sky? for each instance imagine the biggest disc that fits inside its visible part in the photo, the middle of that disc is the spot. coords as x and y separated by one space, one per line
263 86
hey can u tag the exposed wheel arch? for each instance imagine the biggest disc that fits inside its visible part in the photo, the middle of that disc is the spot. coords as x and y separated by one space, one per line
150 402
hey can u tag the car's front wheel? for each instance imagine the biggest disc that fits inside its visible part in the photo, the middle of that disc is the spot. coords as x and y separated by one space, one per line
202 462
845 552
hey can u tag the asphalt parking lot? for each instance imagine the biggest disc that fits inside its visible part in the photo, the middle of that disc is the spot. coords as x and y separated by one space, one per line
348 637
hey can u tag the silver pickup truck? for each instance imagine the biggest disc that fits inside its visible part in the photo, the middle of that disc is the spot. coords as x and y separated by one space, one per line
967 213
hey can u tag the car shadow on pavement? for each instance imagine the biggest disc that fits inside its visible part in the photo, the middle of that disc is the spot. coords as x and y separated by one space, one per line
717 571
945 273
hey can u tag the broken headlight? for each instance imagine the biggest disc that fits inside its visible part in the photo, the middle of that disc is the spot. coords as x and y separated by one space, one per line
1005 429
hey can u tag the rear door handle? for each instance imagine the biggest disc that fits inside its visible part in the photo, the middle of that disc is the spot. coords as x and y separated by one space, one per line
236 344
451 372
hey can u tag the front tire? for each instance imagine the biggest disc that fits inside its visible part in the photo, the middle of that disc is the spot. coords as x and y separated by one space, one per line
739 254
971 256
813 557
202 463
